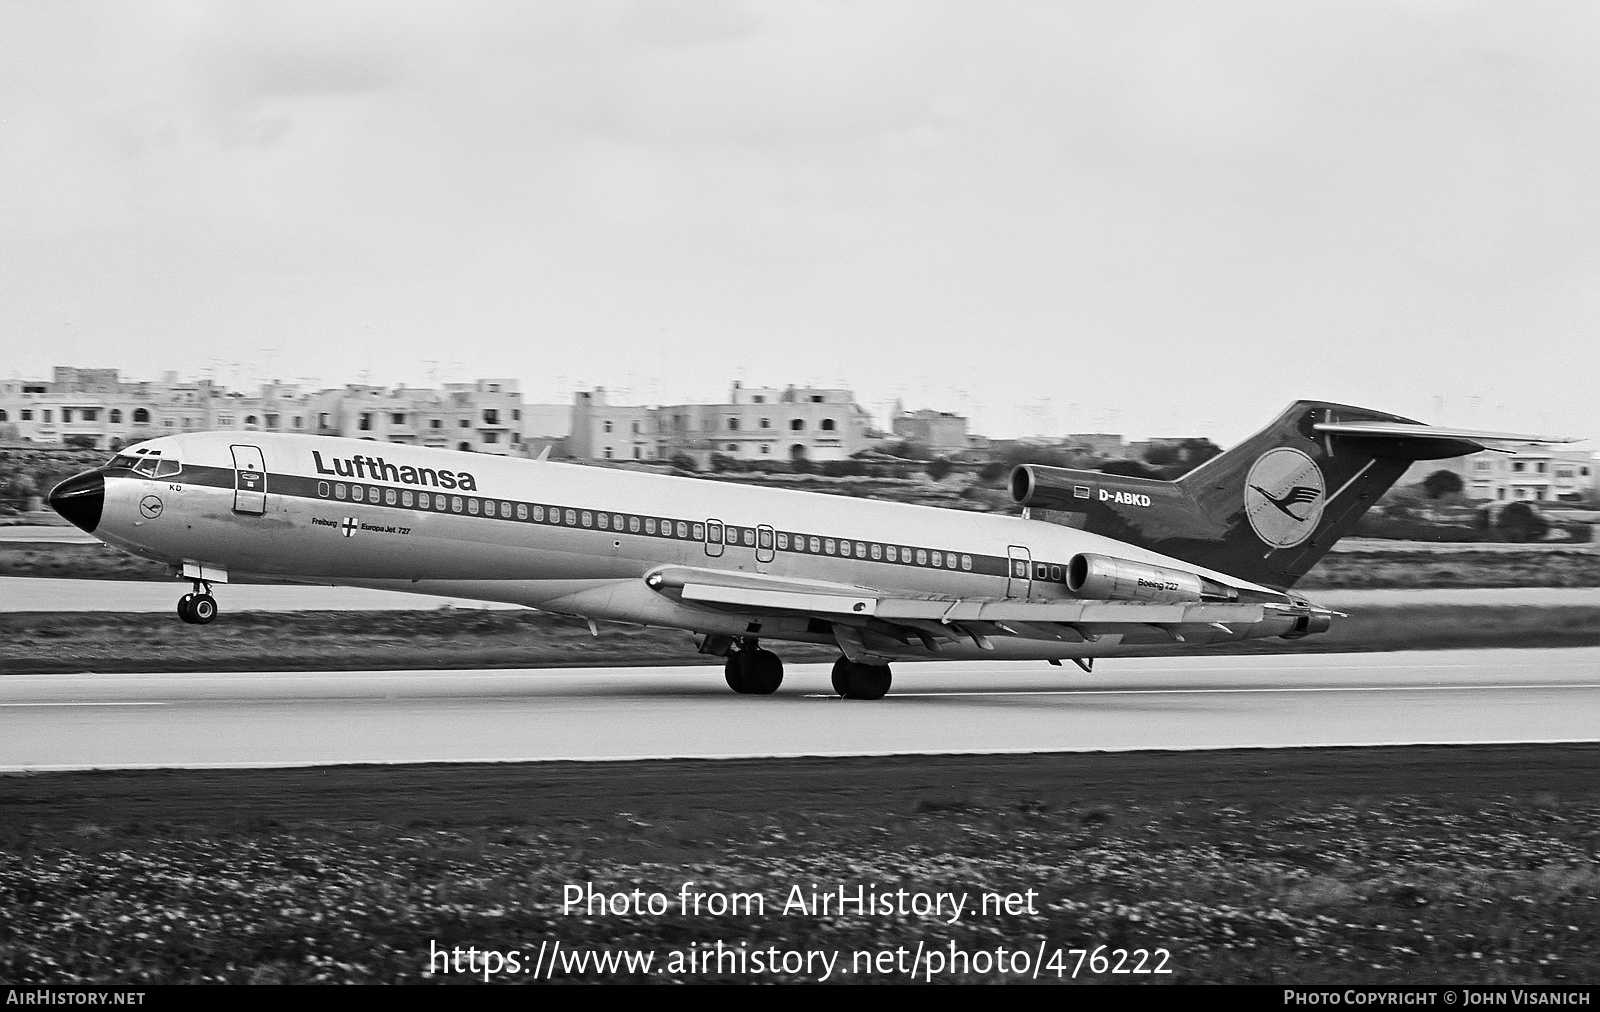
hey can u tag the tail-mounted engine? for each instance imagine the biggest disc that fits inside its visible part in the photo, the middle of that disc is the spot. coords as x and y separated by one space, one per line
1106 579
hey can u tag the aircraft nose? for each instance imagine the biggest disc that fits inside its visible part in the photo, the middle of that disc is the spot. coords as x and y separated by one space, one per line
80 499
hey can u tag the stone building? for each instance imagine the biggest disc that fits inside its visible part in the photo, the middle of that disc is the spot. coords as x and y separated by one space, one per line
98 408
755 423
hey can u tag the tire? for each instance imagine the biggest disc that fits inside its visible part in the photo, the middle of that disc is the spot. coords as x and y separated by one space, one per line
733 672
762 671
203 608
869 681
183 608
841 677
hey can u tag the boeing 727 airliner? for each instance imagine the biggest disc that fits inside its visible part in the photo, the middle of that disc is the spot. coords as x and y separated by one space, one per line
1098 565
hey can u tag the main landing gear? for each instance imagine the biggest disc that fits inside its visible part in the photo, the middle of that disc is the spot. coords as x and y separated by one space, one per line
198 608
860 681
751 671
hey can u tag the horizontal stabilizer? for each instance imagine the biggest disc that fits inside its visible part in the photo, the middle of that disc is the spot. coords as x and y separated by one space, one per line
1414 430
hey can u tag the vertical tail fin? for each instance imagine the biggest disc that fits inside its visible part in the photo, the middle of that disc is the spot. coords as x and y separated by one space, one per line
1267 509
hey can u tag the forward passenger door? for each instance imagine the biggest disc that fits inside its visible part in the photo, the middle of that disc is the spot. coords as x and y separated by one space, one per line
249 481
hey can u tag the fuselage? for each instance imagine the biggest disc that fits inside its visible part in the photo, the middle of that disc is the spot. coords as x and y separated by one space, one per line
583 540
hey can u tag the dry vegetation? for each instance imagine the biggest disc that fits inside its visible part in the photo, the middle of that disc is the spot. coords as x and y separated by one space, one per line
350 641
1285 870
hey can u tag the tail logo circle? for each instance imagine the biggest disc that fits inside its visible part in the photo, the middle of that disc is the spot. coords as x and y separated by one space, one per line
1283 497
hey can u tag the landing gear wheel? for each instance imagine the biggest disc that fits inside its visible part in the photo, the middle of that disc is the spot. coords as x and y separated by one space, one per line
841 677
203 609
763 672
183 608
733 671
753 672
860 681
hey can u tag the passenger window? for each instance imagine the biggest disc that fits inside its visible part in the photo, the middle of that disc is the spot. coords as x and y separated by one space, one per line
783 542
322 489
633 525
750 538
605 522
358 493
649 525
891 553
683 529
338 490
538 514
522 511
455 504
505 510
861 550
816 544
1055 574
966 562
588 519
699 532
390 496
616 521
827 546
936 559
425 500
766 538
922 557
472 506
1041 572
405 498
572 518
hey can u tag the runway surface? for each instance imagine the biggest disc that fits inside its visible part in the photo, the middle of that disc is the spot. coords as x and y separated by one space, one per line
20 593
313 718
41 534
23 593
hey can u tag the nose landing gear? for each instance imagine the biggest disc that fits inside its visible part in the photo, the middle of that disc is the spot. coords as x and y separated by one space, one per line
200 607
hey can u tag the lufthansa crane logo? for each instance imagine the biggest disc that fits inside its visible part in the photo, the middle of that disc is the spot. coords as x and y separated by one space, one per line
1283 497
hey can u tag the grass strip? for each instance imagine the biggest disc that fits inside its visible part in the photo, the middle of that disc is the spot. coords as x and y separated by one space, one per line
1396 865
42 642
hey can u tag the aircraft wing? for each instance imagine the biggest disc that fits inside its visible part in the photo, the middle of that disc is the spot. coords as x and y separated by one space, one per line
935 619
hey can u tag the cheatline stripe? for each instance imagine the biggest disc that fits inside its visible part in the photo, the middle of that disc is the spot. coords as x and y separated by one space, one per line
564 517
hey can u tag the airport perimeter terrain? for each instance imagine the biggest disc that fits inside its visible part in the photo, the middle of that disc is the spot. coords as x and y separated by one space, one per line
1414 864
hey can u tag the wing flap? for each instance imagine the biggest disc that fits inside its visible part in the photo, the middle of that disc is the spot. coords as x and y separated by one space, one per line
781 600
941 617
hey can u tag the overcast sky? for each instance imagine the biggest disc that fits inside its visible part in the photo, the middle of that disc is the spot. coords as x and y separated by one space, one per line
1161 218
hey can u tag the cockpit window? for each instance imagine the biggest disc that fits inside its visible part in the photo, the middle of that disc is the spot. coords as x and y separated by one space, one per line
150 465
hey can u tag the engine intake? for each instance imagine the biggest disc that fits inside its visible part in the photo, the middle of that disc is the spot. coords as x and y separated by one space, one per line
1107 579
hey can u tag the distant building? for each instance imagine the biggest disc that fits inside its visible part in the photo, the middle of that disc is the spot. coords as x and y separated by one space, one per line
1100 444
941 432
755 423
97 407
1533 471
